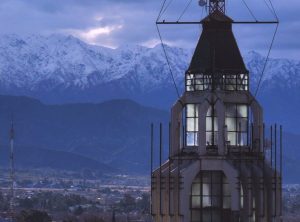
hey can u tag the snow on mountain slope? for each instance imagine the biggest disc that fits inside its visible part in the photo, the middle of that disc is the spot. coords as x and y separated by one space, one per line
64 60
38 64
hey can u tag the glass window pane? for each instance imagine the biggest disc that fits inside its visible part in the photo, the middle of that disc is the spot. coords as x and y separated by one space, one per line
209 113
206 177
242 110
206 201
231 138
192 110
210 138
230 123
192 124
191 139
230 110
216 189
242 139
206 189
196 189
226 202
226 190
216 201
199 87
189 76
208 124
199 81
242 124
189 88
196 202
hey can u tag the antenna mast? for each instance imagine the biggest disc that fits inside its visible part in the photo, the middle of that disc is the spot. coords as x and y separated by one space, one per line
12 170
216 5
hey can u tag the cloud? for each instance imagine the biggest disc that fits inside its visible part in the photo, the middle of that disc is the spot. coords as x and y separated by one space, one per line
92 35
117 22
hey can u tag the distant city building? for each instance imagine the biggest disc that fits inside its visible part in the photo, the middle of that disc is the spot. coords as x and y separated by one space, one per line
218 170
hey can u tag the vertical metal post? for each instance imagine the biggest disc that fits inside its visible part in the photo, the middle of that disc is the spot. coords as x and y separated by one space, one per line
281 198
160 170
183 136
178 182
12 170
252 137
169 173
151 166
271 146
275 166
264 138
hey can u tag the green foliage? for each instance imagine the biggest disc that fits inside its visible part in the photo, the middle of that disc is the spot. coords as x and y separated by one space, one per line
144 203
92 218
127 203
4 202
52 201
33 216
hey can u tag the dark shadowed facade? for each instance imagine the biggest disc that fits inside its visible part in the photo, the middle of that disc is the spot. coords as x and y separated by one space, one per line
218 170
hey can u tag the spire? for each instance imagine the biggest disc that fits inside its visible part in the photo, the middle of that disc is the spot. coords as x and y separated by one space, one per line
217 49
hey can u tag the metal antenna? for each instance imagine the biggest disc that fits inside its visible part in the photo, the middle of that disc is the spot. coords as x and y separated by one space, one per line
216 5
12 170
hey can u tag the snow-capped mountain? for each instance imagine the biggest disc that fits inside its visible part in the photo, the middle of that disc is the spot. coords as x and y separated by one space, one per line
60 69
37 63
66 61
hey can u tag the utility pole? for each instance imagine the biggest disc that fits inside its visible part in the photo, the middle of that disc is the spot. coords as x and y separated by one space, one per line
12 171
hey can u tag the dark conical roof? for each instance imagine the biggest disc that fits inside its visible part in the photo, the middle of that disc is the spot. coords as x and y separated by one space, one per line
217 49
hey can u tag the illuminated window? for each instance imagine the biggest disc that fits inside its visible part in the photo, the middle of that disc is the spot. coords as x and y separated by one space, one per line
236 120
192 118
211 127
210 197
228 82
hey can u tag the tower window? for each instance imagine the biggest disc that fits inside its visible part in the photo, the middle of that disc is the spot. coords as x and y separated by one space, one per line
211 127
236 120
227 82
192 118
198 82
210 197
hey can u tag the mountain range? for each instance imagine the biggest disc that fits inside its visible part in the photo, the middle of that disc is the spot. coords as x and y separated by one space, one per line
108 137
59 69
92 105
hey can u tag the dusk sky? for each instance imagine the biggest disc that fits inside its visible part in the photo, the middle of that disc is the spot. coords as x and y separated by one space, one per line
117 22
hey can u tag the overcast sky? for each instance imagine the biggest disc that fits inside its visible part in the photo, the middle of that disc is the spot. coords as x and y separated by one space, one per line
117 22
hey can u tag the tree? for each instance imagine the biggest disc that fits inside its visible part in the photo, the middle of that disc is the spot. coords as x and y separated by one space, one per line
33 216
127 203
144 203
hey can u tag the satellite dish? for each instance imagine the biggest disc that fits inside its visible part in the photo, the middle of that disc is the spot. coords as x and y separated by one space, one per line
202 3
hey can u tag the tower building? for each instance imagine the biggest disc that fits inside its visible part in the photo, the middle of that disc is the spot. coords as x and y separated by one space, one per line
219 168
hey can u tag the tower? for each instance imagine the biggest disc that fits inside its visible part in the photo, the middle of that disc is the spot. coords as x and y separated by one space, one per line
218 168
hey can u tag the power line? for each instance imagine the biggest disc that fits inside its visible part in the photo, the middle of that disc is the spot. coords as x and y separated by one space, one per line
168 62
170 2
275 14
249 10
164 8
185 9
266 61
160 11
271 8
